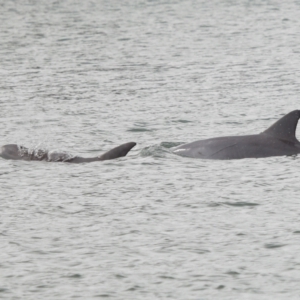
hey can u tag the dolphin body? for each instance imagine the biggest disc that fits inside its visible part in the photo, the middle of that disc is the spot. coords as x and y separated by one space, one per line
277 140
16 152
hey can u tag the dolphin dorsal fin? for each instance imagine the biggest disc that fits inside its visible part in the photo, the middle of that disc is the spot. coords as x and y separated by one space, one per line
285 128
116 152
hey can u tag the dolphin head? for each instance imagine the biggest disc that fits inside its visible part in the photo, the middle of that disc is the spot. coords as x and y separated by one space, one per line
13 151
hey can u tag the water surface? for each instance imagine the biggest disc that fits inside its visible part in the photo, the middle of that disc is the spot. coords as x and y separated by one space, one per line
86 76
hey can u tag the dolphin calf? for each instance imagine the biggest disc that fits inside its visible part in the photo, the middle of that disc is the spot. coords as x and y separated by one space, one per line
16 152
277 140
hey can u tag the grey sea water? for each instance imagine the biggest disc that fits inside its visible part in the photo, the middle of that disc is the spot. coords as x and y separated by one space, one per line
85 76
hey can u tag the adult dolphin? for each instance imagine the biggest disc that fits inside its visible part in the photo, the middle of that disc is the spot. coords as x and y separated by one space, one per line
277 140
16 152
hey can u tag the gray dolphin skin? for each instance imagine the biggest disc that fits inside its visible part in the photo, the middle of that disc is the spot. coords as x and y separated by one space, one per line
277 140
16 152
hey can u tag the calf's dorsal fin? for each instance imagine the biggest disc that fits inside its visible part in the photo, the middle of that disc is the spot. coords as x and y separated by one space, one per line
285 128
116 152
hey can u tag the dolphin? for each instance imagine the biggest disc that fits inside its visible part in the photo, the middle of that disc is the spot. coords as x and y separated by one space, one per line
278 140
16 152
